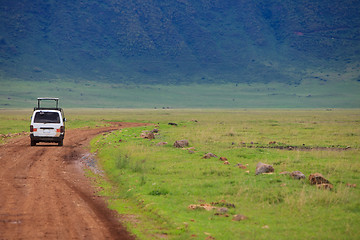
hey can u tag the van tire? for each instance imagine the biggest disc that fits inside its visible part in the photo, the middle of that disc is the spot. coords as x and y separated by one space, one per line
61 143
32 143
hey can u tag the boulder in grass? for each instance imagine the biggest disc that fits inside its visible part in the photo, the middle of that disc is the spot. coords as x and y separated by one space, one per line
161 143
223 159
147 135
326 186
207 207
239 217
297 175
209 155
317 178
239 165
181 143
351 185
263 168
150 136
222 210
155 130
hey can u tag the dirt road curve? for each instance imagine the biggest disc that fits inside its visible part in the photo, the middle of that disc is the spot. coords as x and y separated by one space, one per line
44 194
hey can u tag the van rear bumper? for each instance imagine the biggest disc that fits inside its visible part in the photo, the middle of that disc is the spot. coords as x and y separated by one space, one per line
46 139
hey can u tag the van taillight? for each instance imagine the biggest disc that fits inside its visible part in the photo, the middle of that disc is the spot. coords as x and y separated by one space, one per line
32 129
62 129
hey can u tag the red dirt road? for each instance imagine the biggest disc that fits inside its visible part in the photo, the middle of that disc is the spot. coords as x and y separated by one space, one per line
45 195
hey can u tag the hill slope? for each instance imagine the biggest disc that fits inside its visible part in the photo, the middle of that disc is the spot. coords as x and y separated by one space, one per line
178 41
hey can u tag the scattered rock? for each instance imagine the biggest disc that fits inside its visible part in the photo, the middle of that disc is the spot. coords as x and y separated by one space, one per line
181 143
147 135
155 130
222 210
239 165
223 158
221 214
207 207
161 143
209 155
223 203
191 152
327 186
239 217
221 207
263 168
226 163
173 124
351 185
190 148
10 135
265 227
317 178
297 175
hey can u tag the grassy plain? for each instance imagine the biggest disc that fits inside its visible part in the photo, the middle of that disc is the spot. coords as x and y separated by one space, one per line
311 92
153 186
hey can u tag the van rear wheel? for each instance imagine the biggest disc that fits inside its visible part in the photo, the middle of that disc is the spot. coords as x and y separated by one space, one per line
60 143
33 143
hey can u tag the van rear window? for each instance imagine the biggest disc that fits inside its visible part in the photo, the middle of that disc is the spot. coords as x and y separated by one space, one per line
47 117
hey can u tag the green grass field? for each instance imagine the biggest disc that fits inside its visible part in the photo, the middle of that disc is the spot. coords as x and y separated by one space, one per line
152 186
311 93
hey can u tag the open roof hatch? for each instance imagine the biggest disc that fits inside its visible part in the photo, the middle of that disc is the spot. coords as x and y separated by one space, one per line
48 99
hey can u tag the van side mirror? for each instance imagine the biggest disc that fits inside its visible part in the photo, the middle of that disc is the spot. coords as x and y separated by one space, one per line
64 120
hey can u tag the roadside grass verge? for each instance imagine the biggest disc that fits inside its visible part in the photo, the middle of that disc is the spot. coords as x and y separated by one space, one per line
152 186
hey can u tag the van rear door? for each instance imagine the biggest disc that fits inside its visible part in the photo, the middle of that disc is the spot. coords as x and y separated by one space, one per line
47 124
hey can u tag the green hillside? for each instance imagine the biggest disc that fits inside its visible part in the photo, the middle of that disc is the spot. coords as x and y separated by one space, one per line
177 41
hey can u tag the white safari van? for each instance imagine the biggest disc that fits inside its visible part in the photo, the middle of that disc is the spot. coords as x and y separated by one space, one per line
47 123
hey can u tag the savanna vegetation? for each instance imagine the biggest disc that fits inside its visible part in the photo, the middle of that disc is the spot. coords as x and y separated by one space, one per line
153 186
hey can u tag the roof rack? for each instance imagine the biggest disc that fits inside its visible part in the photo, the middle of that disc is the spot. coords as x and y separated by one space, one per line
47 108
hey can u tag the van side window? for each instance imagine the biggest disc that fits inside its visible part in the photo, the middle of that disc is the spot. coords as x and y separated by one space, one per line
47 117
